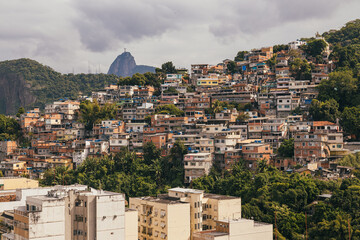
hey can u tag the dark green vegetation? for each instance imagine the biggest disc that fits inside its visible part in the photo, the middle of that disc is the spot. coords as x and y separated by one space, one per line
301 69
286 148
27 83
339 96
9 128
169 109
289 196
92 113
126 172
351 160
314 47
265 193
138 79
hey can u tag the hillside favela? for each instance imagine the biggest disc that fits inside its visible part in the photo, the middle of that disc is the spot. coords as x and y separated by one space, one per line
251 135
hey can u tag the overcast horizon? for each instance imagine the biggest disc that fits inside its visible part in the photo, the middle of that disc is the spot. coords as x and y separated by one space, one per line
75 35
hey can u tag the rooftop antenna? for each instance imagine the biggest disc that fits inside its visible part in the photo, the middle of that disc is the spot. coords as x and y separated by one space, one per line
89 67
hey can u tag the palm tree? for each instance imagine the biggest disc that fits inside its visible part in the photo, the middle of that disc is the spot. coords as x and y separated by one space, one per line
217 106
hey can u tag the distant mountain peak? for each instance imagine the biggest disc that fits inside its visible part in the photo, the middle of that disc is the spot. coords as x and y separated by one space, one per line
125 66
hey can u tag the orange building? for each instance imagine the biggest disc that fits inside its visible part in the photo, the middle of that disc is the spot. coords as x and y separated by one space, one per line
256 151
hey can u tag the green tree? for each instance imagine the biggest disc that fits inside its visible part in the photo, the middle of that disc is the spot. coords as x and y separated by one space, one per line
324 111
91 113
243 117
138 79
301 69
171 90
9 128
280 47
151 152
314 47
350 121
168 67
240 56
351 160
232 68
340 86
20 111
332 229
272 62
169 109
286 148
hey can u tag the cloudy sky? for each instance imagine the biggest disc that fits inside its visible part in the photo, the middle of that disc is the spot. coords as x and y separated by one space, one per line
78 35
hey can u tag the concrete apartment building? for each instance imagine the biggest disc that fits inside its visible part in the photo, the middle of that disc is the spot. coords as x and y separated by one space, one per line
162 218
193 209
73 214
197 165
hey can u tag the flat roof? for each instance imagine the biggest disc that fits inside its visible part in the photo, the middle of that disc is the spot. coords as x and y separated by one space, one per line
186 190
162 199
219 197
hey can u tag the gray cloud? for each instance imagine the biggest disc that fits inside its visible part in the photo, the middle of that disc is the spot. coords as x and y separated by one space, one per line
255 16
101 26
71 34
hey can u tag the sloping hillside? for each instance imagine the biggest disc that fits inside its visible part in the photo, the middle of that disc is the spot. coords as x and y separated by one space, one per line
27 83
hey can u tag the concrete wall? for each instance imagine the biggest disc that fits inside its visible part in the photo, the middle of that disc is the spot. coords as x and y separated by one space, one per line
229 209
131 224
245 229
110 217
15 183
49 223
178 221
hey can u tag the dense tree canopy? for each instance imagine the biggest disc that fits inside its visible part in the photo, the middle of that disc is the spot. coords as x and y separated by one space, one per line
139 79
280 47
314 47
91 113
9 128
286 148
324 111
126 172
48 85
350 121
240 56
169 109
342 87
168 67
301 69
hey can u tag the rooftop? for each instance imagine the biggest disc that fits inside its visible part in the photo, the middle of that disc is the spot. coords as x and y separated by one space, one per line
185 190
218 197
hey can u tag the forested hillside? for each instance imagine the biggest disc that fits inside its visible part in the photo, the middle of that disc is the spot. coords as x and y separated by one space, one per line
25 82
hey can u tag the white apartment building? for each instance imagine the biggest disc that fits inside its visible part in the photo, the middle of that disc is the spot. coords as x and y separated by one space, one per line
73 214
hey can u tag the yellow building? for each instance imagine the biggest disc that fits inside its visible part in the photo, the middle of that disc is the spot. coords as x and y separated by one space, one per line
162 218
187 210
203 82
10 183
206 208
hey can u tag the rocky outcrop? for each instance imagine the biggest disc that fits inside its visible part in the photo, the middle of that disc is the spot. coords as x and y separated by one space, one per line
14 93
125 66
